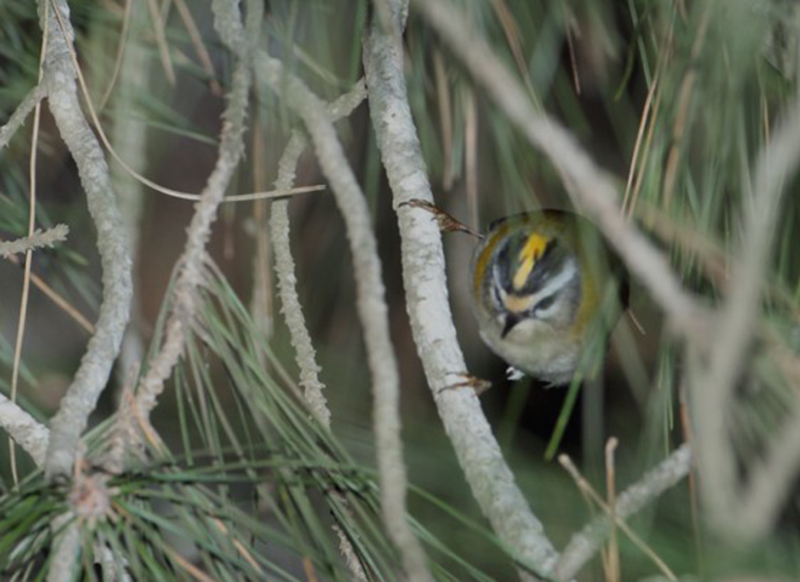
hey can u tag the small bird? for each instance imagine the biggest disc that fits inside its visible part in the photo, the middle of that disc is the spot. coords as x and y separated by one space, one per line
542 284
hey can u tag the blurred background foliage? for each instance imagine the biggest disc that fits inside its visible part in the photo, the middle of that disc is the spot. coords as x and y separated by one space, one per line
673 97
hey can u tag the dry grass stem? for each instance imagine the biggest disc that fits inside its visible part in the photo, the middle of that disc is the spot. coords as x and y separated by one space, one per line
121 44
585 543
161 41
586 488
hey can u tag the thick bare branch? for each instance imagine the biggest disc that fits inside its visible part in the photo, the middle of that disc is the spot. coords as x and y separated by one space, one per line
371 305
92 375
67 546
478 453
26 431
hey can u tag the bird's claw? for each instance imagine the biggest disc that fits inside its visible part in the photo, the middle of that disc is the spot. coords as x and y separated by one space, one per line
514 374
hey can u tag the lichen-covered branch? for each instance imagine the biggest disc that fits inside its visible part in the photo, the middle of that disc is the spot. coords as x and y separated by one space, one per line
231 148
67 546
591 538
479 455
20 114
81 398
290 301
39 239
284 263
371 306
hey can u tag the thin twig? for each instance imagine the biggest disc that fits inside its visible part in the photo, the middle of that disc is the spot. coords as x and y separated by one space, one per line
56 298
199 47
26 280
290 300
479 455
122 42
21 113
371 305
284 263
230 153
36 240
92 375
611 496
161 41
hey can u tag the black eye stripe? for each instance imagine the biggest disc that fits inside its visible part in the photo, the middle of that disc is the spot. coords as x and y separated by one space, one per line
546 302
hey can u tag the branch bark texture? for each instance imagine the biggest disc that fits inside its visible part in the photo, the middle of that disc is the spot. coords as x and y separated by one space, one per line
427 303
81 398
290 300
284 263
39 239
231 148
371 306
26 431
20 114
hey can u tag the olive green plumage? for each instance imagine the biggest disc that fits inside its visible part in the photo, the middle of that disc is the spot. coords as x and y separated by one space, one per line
542 282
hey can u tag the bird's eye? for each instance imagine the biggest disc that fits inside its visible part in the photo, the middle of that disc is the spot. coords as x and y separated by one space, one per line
545 303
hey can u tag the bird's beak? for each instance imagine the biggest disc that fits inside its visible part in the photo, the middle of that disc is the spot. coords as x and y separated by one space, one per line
511 321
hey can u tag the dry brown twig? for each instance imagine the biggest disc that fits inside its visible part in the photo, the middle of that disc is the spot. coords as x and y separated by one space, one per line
583 544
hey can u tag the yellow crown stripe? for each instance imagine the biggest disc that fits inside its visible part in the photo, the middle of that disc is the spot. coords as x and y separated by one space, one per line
530 253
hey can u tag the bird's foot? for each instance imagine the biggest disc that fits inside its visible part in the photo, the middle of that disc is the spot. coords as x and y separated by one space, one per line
514 374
